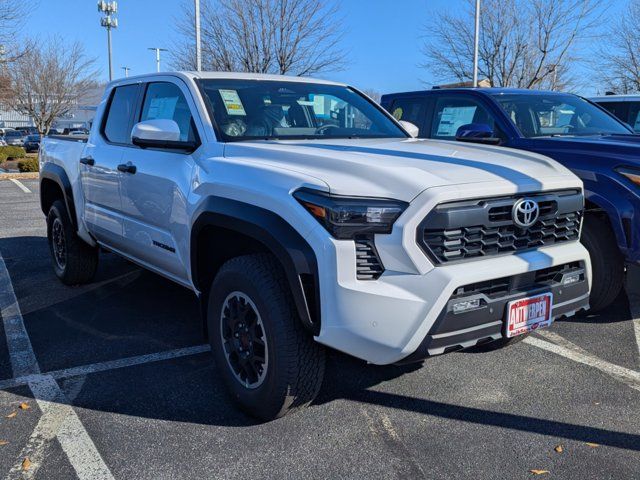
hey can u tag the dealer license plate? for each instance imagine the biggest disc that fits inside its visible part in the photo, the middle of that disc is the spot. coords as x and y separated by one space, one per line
528 314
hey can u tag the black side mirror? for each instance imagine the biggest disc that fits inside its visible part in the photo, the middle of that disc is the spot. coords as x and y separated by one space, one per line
477 133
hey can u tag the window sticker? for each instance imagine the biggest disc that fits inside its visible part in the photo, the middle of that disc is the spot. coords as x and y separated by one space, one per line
162 107
397 113
453 118
232 102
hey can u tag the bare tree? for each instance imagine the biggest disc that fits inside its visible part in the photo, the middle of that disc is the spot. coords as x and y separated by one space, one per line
619 59
374 95
523 43
299 37
47 81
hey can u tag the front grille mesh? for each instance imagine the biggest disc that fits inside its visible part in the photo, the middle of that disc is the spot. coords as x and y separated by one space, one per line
479 241
489 230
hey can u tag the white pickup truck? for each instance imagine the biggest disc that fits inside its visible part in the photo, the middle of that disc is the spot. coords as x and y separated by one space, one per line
302 215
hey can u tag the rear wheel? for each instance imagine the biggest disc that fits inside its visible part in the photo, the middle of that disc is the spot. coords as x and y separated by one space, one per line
74 261
606 261
269 362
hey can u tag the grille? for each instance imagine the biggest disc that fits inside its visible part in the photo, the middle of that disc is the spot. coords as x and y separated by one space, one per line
368 264
463 231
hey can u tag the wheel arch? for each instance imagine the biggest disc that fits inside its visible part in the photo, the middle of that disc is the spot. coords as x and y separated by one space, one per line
226 228
620 225
55 185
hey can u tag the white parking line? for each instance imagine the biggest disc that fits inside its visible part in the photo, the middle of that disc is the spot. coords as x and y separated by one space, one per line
23 360
635 313
568 350
20 185
56 411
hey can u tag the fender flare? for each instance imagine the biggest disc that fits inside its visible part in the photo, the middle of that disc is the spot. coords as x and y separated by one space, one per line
615 215
57 174
293 252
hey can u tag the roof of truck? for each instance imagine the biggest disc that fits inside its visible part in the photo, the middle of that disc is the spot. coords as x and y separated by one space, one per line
229 76
482 90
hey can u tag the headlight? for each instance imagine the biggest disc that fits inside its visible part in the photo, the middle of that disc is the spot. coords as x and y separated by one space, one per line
346 217
631 173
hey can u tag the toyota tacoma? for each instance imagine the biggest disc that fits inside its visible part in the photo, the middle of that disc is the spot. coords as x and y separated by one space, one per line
303 215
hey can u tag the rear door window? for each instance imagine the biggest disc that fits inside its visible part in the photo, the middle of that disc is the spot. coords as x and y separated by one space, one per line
634 116
119 119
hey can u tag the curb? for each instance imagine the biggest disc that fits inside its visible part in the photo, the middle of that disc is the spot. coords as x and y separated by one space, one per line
19 176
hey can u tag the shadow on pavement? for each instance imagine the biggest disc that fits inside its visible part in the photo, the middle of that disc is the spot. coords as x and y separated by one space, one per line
144 313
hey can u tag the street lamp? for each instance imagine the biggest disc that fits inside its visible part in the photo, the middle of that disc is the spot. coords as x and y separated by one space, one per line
108 22
126 71
158 50
476 41
198 40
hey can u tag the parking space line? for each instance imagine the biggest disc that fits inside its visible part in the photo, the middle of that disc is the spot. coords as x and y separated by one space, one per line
20 185
106 366
635 314
129 362
72 436
23 360
568 350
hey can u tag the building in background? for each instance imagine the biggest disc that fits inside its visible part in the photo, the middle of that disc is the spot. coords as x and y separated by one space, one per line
79 117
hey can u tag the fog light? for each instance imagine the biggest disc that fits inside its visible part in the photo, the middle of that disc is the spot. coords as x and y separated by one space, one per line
466 305
570 279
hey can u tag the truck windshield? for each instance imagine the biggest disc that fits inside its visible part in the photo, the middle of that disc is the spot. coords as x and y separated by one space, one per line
540 115
276 110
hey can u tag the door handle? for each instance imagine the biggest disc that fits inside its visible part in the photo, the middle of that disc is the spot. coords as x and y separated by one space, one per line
127 168
88 161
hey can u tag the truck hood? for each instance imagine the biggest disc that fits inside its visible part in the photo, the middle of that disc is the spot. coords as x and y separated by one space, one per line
398 168
621 147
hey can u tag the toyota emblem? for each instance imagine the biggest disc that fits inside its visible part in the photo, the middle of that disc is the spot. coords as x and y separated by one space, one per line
525 213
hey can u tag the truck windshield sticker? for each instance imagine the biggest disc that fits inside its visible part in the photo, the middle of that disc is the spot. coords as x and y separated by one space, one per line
453 118
162 107
232 102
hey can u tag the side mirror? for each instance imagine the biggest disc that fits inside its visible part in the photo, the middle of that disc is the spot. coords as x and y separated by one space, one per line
477 133
410 128
160 133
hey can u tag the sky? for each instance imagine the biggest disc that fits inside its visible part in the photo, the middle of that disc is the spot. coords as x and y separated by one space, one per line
382 37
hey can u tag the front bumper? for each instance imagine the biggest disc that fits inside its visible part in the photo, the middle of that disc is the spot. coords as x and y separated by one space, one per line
400 314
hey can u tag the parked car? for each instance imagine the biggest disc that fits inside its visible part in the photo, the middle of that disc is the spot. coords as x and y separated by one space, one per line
14 138
3 142
32 143
625 107
75 131
28 130
595 145
302 214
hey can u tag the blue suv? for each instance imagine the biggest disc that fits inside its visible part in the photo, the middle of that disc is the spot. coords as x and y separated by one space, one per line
603 151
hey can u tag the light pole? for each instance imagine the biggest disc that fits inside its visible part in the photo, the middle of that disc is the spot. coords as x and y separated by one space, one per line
108 22
476 41
198 40
126 71
158 50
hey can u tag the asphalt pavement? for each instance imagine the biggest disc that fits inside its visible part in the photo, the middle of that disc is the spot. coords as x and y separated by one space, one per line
117 383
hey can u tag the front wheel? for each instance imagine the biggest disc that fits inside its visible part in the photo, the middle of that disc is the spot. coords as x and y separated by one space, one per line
74 261
269 362
606 261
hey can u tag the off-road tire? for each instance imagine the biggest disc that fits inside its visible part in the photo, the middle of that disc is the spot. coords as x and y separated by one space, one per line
81 259
295 361
606 261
